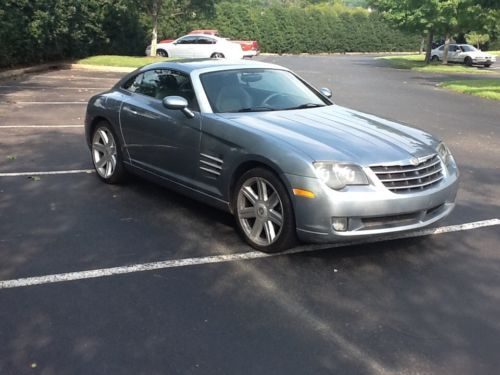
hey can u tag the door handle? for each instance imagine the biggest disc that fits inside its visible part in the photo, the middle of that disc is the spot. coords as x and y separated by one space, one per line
130 110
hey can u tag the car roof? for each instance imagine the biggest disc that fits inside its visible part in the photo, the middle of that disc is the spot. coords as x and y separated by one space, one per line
190 65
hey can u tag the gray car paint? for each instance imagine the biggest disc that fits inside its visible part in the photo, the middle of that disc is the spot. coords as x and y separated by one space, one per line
167 147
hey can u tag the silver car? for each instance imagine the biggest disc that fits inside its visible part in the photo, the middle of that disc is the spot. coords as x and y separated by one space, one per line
257 140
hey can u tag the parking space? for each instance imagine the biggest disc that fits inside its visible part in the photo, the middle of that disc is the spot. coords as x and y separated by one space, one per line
425 304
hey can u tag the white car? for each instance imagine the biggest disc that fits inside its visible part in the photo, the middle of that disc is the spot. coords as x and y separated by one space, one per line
199 46
464 53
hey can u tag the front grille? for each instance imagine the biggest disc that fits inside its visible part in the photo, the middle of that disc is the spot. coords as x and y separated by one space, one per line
410 178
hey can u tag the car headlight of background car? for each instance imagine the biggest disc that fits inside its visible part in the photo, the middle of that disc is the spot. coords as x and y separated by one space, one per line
337 176
444 154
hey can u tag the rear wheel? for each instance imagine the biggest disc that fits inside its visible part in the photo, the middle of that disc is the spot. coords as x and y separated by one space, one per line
161 53
106 154
263 211
487 65
468 61
217 55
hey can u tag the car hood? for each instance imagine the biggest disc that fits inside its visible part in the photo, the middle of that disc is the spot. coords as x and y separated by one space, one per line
340 134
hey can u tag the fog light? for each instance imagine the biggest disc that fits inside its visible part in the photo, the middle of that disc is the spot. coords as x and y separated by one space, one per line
339 224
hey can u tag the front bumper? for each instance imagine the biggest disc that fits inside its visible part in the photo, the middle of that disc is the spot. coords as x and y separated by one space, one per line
368 210
484 60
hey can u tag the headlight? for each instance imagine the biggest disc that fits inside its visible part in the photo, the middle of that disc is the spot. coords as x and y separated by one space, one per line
444 153
338 176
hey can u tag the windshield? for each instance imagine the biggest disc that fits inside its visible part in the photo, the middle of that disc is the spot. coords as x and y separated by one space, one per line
254 90
467 48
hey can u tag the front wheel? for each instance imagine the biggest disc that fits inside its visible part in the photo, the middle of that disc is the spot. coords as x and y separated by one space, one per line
263 211
106 155
434 58
487 65
217 55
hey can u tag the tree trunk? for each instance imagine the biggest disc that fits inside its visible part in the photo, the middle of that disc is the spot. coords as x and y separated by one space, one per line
154 35
422 43
430 36
446 46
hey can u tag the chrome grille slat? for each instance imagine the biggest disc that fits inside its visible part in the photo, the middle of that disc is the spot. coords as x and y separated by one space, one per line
410 178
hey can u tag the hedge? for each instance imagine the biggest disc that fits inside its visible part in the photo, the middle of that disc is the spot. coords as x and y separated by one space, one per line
34 31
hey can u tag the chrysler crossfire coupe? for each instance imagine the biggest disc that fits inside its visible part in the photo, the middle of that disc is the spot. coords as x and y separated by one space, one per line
258 141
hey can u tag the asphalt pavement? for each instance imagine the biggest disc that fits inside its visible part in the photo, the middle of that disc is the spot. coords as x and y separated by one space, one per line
187 296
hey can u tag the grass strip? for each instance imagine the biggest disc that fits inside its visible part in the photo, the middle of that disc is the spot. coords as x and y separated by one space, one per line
121 61
485 88
416 63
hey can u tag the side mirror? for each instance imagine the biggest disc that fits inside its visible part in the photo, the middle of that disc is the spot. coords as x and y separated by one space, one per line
178 103
325 91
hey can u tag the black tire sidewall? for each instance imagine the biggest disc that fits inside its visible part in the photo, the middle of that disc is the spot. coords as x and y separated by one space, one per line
119 172
288 236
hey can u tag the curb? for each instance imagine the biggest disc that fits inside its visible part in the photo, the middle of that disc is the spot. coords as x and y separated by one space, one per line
13 73
33 69
338 53
117 69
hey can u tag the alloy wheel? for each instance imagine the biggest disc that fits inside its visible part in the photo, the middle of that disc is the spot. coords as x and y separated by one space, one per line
104 153
260 211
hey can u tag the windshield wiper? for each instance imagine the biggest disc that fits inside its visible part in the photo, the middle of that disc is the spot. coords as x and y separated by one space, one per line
256 109
306 105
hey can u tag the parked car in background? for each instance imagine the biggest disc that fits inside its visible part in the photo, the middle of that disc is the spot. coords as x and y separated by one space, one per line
199 46
258 141
250 47
464 54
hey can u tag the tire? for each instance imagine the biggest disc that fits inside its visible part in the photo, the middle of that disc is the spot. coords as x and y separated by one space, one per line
487 65
263 211
217 55
106 154
468 61
434 58
161 53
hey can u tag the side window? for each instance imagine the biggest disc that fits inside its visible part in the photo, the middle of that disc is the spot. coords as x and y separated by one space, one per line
187 40
205 40
441 48
145 83
160 83
174 83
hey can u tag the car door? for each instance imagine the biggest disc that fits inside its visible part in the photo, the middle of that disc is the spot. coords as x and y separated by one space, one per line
159 140
454 53
184 47
204 47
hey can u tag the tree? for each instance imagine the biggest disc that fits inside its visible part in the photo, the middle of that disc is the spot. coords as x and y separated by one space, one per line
446 17
153 8
476 38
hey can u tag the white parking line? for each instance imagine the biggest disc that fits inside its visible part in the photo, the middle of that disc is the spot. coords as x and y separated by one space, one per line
105 272
39 126
72 171
51 103
50 87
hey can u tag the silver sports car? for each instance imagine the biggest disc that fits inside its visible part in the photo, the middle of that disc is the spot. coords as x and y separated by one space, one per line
257 140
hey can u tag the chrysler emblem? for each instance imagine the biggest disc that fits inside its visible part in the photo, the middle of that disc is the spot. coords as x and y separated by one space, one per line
414 161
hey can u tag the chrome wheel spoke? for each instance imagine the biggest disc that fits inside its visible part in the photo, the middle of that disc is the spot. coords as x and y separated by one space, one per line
250 194
100 163
273 200
269 229
262 189
257 229
99 147
276 218
247 213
